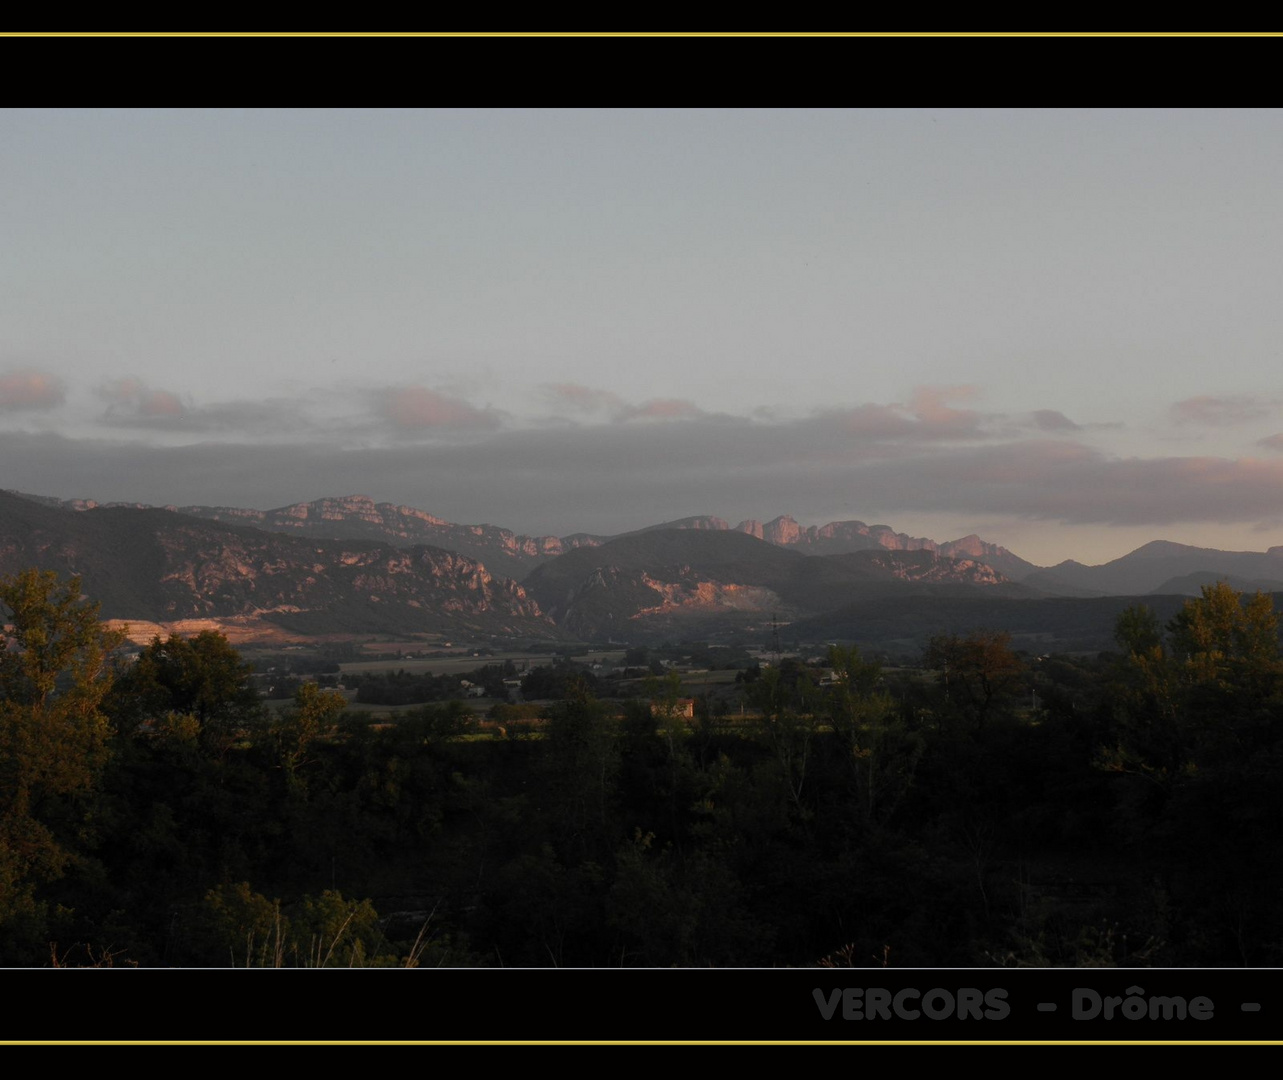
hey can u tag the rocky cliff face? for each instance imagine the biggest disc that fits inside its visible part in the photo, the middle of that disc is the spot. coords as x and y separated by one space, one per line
841 537
358 517
657 583
162 566
835 538
928 566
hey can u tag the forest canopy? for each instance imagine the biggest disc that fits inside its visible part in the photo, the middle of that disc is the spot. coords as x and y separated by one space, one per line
983 807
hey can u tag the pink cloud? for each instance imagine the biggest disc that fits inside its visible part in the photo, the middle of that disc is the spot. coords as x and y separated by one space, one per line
587 399
1273 442
30 389
928 404
416 408
663 409
1219 411
583 398
160 403
927 417
877 421
122 391
132 396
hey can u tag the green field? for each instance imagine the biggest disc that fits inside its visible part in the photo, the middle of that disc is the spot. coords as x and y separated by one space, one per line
480 705
457 665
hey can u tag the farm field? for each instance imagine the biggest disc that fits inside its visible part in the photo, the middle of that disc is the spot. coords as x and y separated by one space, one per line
457 665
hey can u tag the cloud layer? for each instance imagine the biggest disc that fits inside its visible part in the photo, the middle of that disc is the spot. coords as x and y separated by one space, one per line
618 476
418 409
28 389
130 400
587 401
1220 412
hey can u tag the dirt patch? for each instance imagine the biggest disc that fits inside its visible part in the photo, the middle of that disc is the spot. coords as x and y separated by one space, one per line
239 630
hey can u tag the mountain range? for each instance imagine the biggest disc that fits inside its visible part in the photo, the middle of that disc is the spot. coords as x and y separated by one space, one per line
1164 567
165 567
358 517
352 565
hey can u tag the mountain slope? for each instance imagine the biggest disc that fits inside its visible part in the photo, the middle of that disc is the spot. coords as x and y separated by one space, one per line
1148 567
162 566
358 517
655 582
843 537
1193 584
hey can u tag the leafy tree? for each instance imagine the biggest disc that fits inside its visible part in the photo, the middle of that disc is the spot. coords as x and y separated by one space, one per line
1198 716
1146 698
314 713
665 705
788 701
203 677
979 673
881 752
582 763
1209 690
1223 638
54 675
1137 631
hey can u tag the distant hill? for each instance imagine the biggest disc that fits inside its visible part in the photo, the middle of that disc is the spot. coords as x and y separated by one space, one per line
703 521
1193 584
693 581
1148 568
162 566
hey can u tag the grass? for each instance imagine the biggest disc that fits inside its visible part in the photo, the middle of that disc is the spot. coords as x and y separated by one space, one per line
457 665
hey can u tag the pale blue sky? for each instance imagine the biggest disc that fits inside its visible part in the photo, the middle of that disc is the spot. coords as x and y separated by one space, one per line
1058 329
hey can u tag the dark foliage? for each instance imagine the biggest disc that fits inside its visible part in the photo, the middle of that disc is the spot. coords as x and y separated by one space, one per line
985 808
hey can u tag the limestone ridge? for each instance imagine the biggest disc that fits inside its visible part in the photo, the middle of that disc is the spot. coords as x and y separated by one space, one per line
358 517
163 566
839 537
657 581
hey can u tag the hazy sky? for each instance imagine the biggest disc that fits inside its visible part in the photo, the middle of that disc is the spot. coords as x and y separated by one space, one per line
1061 330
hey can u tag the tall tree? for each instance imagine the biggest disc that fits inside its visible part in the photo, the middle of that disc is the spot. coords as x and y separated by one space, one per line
54 675
201 677
979 673
880 751
583 764
314 713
